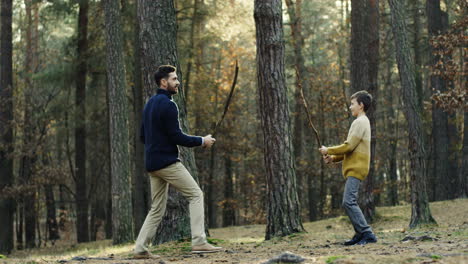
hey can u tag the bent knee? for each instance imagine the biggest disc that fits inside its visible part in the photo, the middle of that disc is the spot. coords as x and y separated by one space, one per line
348 204
195 194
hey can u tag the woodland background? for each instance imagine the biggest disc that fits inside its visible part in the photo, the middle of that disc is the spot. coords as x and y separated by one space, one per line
75 75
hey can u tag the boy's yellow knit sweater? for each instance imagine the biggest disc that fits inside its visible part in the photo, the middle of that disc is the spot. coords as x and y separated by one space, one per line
355 151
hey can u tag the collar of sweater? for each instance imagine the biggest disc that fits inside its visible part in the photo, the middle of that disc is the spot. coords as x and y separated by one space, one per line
165 92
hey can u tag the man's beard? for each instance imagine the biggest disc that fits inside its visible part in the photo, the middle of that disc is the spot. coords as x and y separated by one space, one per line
172 90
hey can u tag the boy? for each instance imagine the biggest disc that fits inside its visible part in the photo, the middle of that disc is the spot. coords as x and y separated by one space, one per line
355 154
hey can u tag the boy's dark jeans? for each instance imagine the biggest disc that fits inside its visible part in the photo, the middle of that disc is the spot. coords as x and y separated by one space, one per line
351 207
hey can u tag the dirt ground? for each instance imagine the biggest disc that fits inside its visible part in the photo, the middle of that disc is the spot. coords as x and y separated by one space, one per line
445 243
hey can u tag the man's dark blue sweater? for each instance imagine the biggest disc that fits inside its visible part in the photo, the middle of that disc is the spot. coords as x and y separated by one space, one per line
161 133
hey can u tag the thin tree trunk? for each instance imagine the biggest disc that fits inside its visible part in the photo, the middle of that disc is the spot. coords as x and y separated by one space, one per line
393 132
122 215
323 188
7 206
454 140
210 184
364 76
417 48
19 225
464 164
210 194
158 34
109 213
141 191
194 29
92 222
28 158
283 208
52 226
420 213
294 12
464 170
82 227
229 217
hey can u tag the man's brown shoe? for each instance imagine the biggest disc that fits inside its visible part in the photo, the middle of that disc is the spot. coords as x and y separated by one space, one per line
145 255
206 248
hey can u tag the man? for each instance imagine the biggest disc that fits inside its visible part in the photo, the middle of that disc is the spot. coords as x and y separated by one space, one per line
161 133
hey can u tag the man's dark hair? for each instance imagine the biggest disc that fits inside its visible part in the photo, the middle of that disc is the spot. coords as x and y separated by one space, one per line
163 73
363 97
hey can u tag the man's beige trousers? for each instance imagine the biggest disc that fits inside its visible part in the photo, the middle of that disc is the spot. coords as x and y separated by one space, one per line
177 176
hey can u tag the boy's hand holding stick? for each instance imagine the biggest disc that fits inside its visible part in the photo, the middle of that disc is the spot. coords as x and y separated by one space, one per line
327 158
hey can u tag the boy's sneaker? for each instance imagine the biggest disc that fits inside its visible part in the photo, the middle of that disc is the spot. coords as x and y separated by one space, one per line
145 255
367 238
206 248
356 238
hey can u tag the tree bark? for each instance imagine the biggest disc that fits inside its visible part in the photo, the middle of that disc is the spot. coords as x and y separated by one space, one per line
141 191
7 206
294 12
52 226
417 48
323 188
420 213
194 29
82 227
464 169
122 215
210 189
28 155
440 138
364 76
229 216
108 205
158 34
283 208
392 131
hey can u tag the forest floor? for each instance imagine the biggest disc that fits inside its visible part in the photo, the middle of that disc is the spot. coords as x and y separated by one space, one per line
445 243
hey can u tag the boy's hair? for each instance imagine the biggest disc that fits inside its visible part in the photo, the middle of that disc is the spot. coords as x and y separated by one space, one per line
163 73
363 97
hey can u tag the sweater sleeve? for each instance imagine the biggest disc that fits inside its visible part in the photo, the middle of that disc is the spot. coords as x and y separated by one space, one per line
173 128
356 132
337 158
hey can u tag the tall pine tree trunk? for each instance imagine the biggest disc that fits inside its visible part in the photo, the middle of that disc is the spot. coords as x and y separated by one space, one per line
158 34
82 227
122 216
28 158
6 131
364 76
420 213
283 208
440 138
